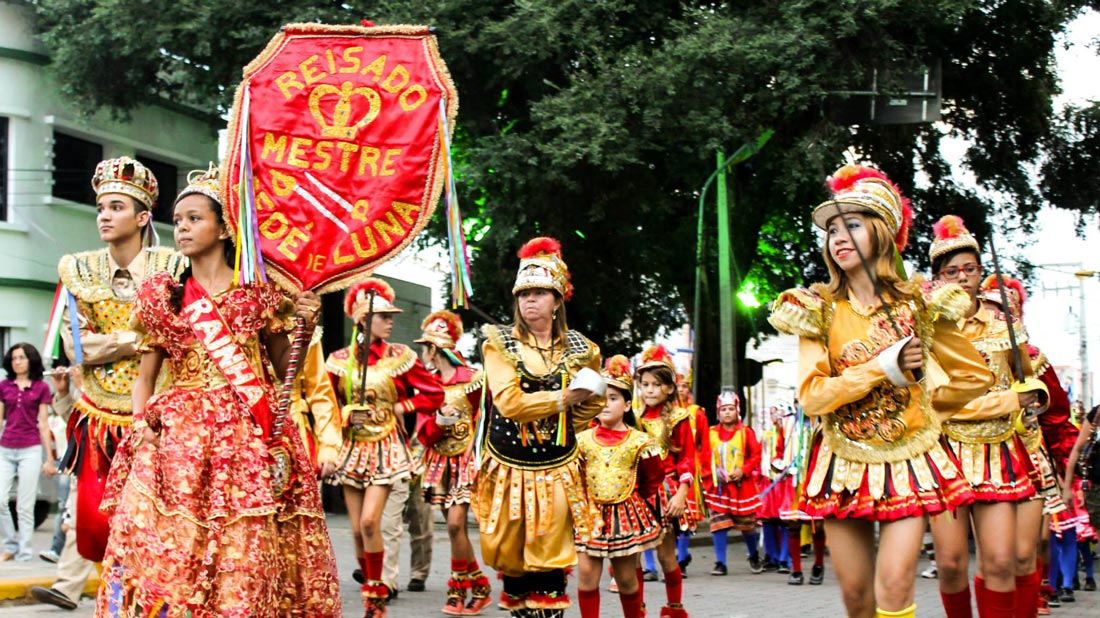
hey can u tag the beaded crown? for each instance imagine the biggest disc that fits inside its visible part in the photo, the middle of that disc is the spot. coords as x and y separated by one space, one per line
126 176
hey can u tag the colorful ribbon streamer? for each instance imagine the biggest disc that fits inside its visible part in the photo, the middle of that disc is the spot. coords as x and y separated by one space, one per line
78 350
461 289
51 344
248 263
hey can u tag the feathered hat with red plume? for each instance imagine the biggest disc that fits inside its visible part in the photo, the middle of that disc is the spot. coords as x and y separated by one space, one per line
656 356
355 303
617 373
1017 293
441 329
858 188
950 234
541 266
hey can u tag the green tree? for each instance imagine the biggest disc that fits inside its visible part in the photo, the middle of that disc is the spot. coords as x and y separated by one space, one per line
597 121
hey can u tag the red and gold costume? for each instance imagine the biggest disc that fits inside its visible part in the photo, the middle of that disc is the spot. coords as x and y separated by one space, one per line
670 426
448 459
983 434
104 294
195 528
879 455
733 504
623 470
377 452
314 407
530 495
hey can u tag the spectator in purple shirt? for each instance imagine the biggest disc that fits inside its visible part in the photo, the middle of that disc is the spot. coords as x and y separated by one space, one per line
24 411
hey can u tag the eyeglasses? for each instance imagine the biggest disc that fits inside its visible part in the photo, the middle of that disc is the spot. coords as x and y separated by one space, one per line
953 271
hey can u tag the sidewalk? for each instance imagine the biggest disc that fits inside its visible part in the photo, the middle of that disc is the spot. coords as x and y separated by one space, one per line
17 578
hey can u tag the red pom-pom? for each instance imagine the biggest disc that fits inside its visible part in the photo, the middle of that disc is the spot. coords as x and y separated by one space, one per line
367 23
617 366
381 288
538 246
848 175
657 353
901 239
1012 283
454 323
949 226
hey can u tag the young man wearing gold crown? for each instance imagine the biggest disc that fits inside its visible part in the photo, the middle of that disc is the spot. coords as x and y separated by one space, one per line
984 437
448 460
103 284
530 488
375 457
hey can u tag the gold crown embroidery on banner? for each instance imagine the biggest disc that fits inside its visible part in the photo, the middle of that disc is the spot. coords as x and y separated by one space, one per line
341 127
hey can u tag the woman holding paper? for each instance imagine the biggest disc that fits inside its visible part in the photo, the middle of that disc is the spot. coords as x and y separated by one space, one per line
530 490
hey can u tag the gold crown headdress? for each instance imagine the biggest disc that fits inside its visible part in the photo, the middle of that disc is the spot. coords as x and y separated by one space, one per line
617 373
858 188
126 176
205 182
442 329
355 303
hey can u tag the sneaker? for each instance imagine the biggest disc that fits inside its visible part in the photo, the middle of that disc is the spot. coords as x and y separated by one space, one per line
1053 600
754 564
357 575
455 606
613 587
49 556
1067 595
806 549
770 565
817 575
783 569
795 579
684 566
719 569
476 604
1090 584
931 572
1044 608
7 556
52 597
415 585
649 576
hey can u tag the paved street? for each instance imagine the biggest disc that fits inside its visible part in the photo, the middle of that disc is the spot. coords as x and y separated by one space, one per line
738 595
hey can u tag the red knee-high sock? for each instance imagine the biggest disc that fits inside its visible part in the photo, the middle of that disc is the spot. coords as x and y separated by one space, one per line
1000 604
674 586
1027 595
373 570
641 586
632 603
471 565
819 546
794 543
362 565
589 600
957 604
979 594
458 566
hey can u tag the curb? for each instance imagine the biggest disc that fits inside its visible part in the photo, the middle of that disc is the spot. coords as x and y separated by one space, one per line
17 591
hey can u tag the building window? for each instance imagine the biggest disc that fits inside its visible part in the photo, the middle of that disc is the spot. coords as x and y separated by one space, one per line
4 167
74 161
5 339
168 181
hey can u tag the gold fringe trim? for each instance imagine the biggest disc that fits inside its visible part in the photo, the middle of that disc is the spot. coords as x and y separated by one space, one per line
803 312
947 301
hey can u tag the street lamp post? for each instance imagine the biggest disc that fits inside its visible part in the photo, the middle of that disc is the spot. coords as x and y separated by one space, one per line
1086 382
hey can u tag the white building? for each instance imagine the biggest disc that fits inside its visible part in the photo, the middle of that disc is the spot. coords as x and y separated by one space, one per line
48 154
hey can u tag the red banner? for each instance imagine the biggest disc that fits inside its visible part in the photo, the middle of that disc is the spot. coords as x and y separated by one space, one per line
341 128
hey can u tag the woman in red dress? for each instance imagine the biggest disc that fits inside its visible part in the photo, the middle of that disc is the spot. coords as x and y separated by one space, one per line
196 528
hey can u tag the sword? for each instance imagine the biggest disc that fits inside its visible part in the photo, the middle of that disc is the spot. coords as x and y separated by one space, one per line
918 375
1023 384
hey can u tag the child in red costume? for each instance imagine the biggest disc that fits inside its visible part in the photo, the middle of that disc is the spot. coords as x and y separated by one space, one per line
669 426
731 479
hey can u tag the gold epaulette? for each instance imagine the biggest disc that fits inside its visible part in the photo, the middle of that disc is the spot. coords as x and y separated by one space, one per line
337 362
804 312
677 415
1039 361
946 300
87 274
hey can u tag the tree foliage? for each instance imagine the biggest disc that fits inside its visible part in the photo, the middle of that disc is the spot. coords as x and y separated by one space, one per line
597 121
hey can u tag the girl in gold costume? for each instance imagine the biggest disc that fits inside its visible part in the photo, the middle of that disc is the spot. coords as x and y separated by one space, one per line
878 457
623 469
